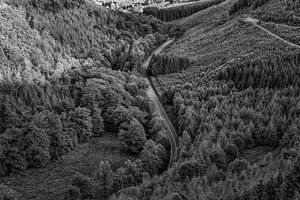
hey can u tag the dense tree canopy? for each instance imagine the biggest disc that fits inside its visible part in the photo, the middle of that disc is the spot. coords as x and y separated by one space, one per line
57 88
178 12
68 73
236 107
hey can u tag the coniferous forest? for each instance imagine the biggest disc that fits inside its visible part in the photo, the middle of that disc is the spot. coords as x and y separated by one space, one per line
178 12
78 120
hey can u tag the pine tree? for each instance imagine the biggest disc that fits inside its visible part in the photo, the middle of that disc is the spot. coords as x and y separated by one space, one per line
8 117
85 186
291 182
97 122
269 190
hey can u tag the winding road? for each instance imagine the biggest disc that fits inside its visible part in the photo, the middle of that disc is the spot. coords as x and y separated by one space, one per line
153 94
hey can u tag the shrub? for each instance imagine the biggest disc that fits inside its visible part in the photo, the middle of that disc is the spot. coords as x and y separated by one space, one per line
7 193
132 135
238 165
37 157
189 169
85 185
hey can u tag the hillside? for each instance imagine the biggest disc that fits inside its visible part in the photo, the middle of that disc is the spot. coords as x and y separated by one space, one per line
68 85
236 101
71 97
180 11
86 30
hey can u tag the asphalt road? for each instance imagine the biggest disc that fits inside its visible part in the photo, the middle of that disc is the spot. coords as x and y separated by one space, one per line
152 93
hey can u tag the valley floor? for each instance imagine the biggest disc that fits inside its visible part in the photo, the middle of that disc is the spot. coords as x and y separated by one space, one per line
50 182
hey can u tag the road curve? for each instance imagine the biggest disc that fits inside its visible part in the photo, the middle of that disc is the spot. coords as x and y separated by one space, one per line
145 64
153 94
255 23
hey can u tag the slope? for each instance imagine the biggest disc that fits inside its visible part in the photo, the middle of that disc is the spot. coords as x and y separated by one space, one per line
54 100
236 105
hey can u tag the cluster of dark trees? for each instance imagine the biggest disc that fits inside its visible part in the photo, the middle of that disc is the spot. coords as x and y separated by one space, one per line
8 193
241 4
268 73
282 18
178 12
166 64
283 12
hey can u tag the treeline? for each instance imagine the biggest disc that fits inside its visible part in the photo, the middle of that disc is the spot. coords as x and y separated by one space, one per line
85 30
166 64
283 12
279 186
267 73
241 4
178 12
284 18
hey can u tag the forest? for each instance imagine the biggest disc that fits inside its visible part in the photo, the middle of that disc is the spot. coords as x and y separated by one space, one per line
236 107
286 12
178 12
68 75
241 4
165 64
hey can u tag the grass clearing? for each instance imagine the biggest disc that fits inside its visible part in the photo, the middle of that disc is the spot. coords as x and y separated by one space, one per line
49 182
256 154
